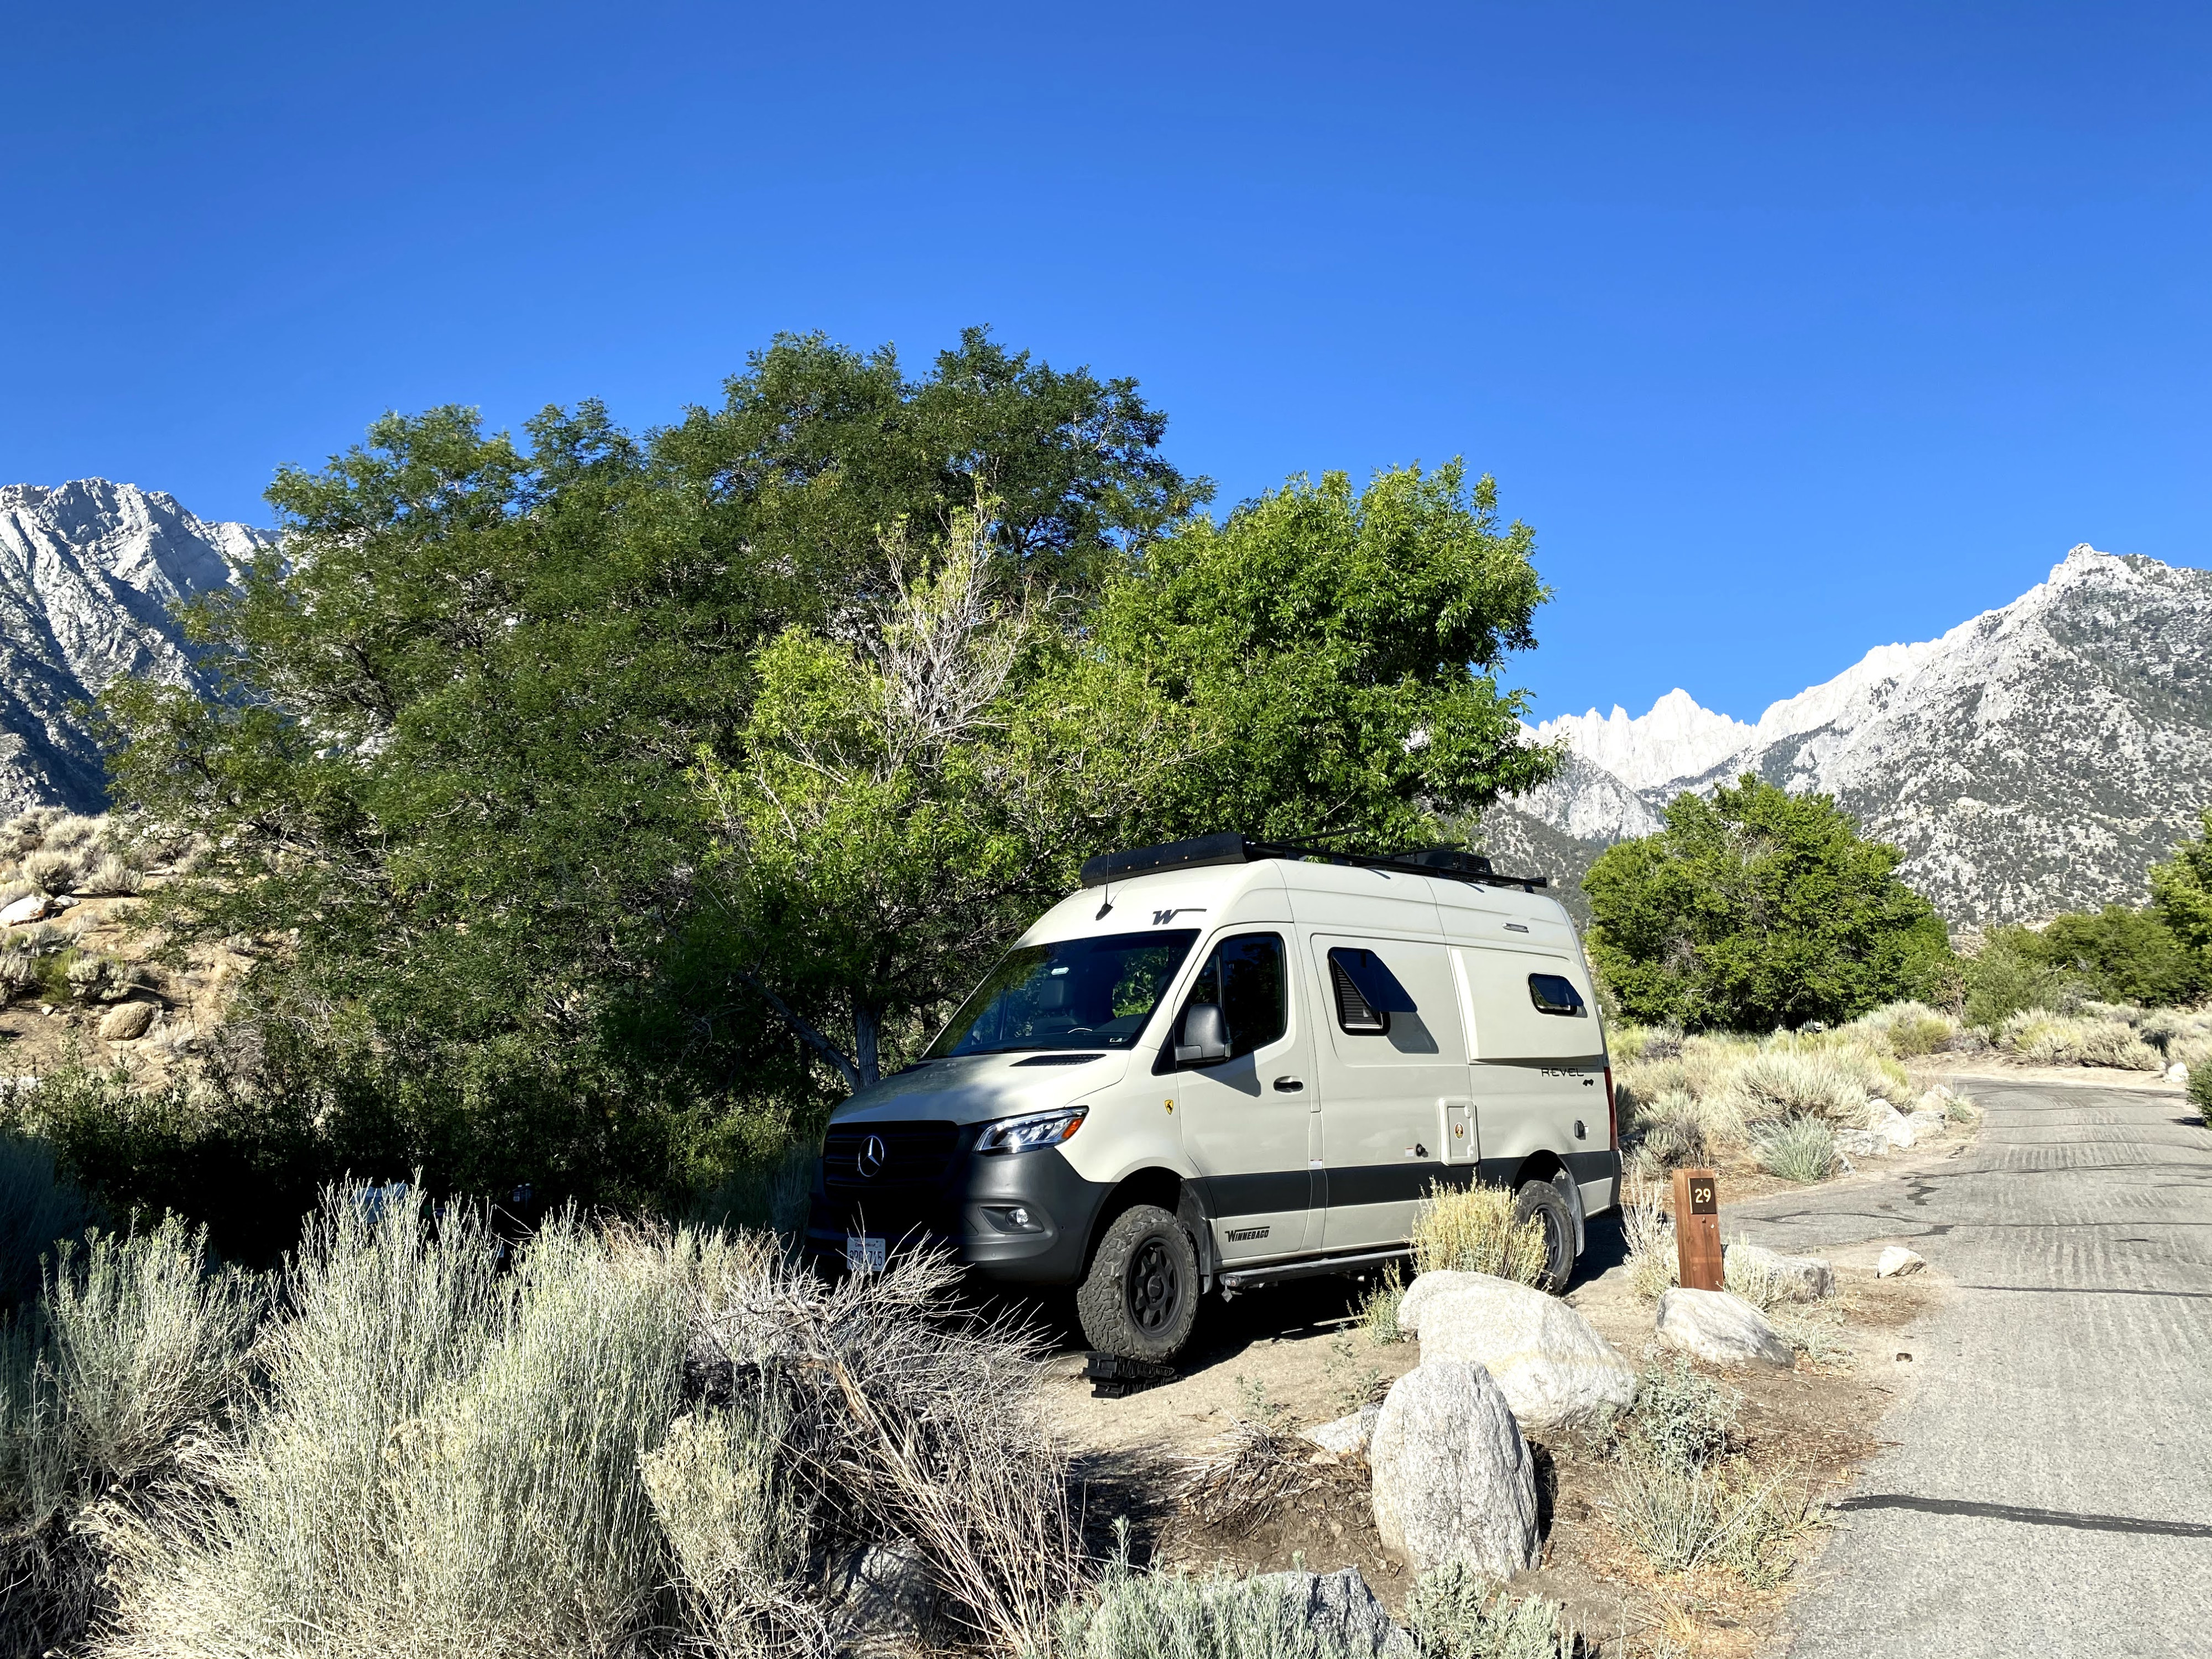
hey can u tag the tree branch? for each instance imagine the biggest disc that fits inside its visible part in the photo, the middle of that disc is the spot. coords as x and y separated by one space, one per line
800 1024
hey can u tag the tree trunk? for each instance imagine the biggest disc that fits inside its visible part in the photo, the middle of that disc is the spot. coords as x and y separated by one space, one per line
868 1022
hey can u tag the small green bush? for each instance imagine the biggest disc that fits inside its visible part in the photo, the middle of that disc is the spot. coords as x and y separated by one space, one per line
1796 1149
1453 1612
1681 1416
2200 1092
1911 1029
1473 1230
1147 1615
1378 1308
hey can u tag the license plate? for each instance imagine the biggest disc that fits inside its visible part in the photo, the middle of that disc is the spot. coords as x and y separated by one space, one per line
862 1255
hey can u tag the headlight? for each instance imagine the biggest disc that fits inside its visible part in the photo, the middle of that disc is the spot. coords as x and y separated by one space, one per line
1026 1134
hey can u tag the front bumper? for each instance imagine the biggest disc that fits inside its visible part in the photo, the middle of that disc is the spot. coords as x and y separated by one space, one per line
1023 1217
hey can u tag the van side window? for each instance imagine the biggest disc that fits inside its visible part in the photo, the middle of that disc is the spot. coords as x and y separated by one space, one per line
1367 992
1554 994
1244 977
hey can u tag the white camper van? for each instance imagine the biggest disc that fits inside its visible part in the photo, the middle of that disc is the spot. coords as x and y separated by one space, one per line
1224 1063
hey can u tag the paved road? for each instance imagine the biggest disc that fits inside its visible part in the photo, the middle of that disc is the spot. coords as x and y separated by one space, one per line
2050 1493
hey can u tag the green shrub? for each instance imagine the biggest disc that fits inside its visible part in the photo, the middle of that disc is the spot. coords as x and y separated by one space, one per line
1911 1029
2123 954
1474 1229
1796 1149
2009 974
1378 1308
2200 1092
1758 910
1160 1615
1783 1086
1453 1612
1681 1416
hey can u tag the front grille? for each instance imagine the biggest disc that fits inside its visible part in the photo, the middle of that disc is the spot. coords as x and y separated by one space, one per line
914 1155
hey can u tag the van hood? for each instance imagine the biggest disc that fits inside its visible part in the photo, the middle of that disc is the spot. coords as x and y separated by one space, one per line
981 1088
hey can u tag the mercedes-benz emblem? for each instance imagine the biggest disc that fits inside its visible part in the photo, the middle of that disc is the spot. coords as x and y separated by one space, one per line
870 1163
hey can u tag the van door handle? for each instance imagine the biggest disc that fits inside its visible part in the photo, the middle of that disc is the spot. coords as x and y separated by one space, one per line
1289 1085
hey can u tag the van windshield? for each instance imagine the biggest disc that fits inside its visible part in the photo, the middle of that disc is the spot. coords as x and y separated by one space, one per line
1072 993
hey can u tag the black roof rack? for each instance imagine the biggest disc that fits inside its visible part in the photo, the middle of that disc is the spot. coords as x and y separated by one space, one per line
1230 847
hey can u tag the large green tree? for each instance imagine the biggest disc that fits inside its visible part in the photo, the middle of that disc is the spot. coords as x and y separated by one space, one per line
447 773
1755 909
915 785
1338 651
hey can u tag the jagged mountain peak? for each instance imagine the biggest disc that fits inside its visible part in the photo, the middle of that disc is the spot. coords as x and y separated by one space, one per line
90 571
2037 757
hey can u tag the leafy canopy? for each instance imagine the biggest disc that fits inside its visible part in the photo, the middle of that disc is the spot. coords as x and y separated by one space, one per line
912 791
1755 909
446 769
1337 654
2181 892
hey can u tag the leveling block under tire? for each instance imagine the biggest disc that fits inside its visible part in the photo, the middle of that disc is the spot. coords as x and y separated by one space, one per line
1112 1377
1141 1297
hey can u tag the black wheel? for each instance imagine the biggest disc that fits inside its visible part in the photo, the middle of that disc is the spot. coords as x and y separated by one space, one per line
1141 1299
1547 1204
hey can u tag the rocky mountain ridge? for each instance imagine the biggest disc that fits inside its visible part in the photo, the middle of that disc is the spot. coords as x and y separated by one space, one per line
87 573
2037 758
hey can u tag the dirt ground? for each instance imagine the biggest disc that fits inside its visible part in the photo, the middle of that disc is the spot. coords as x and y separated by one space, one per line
39 1033
1303 1345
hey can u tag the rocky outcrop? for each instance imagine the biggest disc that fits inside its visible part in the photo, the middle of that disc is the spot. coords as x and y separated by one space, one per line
88 572
2037 758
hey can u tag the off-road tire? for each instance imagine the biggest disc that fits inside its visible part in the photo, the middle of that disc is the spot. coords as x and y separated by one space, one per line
1541 1200
1140 1298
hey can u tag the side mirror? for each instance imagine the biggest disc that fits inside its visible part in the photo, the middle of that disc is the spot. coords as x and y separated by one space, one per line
1204 1038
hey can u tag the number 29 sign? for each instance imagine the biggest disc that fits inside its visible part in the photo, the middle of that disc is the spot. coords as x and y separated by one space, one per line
1697 1229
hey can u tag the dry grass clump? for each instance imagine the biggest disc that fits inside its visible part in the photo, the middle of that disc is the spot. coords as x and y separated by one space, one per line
1911 1029
1378 1308
108 1386
1796 1149
1259 1465
1653 1265
648 1444
2038 1038
49 869
47 850
1684 1497
1475 1230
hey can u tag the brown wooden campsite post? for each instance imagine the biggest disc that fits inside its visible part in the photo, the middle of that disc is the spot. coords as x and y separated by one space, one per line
1697 1229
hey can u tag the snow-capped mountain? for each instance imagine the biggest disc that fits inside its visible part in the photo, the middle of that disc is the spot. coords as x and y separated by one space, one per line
2037 758
87 573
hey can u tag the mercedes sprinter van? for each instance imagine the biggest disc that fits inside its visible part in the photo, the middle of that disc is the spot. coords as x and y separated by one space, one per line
1224 1063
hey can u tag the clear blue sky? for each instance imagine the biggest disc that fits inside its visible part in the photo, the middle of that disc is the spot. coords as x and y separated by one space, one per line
1791 329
